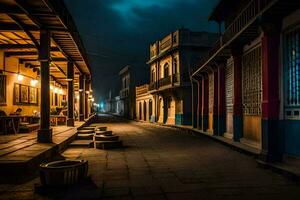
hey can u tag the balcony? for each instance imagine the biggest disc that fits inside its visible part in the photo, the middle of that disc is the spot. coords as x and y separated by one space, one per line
245 18
141 89
124 93
152 86
165 81
239 25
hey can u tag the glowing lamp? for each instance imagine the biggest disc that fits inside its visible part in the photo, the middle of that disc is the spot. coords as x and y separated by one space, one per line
33 82
20 77
55 90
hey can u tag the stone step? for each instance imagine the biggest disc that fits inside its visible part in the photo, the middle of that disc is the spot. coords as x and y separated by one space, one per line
82 143
101 128
87 128
85 136
108 144
85 131
106 138
108 133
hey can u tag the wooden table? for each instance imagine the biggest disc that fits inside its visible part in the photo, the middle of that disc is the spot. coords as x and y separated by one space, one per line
57 119
14 120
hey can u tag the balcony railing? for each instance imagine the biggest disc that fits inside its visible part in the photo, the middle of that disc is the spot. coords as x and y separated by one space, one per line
152 86
246 17
165 81
124 93
142 89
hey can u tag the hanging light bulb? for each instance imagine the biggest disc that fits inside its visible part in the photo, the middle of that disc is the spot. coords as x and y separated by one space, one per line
20 77
55 90
33 82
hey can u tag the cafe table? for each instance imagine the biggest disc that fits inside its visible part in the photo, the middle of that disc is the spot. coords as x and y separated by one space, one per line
11 121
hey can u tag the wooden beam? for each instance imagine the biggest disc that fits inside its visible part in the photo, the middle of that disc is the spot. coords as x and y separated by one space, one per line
22 26
59 68
25 46
20 53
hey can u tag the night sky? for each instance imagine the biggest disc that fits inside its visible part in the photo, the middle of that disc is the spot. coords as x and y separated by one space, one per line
118 32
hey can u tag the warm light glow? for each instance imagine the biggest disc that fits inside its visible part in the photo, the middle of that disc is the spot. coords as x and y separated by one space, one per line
88 92
77 96
33 82
80 90
55 90
61 91
92 99
51 87
20 77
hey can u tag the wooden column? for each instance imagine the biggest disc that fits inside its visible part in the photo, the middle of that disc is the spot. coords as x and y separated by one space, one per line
205 103
215 103
221 100
86 98
45 132
81 97
70 76
237 97
272 145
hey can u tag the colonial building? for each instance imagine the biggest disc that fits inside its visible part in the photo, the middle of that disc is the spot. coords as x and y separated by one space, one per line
144 104
247 89
127 94
44 73
171 61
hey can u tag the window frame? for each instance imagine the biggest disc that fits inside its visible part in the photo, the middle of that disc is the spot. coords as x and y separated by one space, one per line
4 89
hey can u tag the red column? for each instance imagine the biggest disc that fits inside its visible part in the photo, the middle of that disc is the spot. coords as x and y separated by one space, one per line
205 103
270 76
272 144
199 115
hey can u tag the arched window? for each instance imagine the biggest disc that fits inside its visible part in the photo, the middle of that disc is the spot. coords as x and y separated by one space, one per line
166 70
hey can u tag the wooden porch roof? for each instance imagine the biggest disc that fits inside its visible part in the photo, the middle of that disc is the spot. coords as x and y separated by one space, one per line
20 23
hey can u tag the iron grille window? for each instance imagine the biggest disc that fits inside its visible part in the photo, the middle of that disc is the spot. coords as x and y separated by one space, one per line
229 86
291 72
252 83
2 89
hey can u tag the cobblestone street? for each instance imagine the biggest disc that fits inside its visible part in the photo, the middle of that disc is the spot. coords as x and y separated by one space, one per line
164 163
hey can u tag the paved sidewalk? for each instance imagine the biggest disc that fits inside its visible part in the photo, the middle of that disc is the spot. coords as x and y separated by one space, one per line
165 163
20 154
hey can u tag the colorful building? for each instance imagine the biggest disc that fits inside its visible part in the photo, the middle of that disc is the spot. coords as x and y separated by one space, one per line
247 88
171 61
43 66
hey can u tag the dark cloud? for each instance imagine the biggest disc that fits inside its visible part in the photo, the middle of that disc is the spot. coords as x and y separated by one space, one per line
118 32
